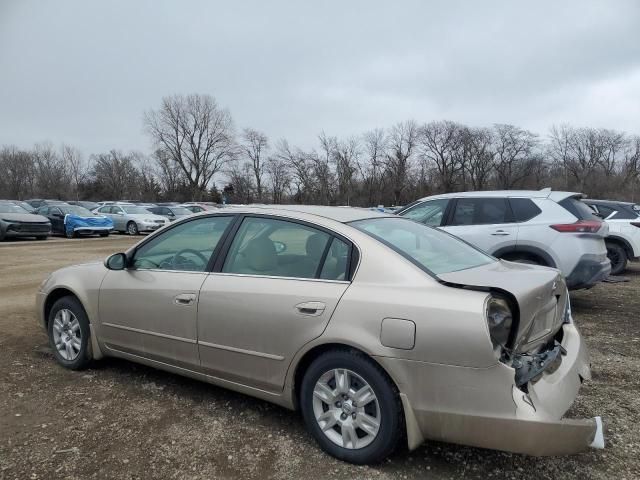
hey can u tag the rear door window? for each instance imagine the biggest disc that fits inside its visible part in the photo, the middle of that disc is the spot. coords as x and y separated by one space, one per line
524 209
481 211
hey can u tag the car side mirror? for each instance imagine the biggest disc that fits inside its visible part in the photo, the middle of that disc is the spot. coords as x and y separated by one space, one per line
117 261
279 246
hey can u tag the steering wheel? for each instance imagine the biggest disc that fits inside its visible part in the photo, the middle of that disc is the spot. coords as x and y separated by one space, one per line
179 255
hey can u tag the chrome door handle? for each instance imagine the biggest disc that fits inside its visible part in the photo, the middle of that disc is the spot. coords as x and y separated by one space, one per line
312 309
500 233
184 299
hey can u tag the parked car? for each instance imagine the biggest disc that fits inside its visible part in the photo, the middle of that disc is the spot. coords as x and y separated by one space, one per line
15 221
553 229
132 219
23 205
85 204
623 240
39 202
171 212
376 327
196 207
73 220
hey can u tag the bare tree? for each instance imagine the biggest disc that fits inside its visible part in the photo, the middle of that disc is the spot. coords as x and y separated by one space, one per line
440 143
196 134
346 156
18 172
115 175
254 147
279 176
74 161
514 148
298 164
401 141
52 173
371 171
481 161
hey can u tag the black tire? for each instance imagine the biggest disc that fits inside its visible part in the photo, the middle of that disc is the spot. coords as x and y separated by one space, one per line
104 234
41 238
391 420
132 228
83 358
70 234
618 258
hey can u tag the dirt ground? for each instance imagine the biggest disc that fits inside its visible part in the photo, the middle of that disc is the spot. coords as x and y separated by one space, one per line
121 420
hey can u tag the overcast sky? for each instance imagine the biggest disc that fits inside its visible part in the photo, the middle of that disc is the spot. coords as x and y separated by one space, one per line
83 72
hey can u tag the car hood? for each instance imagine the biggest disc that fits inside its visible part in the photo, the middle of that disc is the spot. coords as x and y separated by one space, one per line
540 293
24 217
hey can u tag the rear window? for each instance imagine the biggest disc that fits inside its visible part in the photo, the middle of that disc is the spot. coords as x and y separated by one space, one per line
481 211
579 209
524 209
432 250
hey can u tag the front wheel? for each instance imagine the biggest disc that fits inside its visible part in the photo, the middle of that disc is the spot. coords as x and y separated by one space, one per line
618 258
70 233
351 407
105 234
132 228
68 328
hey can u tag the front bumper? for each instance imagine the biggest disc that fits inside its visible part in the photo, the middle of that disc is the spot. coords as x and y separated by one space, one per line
588 272
27 230
91 230
149 227
482 407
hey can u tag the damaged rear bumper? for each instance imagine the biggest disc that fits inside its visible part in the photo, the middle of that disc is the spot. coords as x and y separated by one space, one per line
483 407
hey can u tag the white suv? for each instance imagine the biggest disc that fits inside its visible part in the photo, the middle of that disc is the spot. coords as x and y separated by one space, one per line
623 240
553 229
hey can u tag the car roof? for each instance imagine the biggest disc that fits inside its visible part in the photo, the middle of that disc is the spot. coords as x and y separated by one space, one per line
544 193
338 214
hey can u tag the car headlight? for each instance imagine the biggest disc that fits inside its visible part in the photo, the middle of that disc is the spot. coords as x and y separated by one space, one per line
499 320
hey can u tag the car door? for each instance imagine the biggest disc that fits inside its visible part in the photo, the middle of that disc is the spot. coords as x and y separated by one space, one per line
118 217
106 211
276 290
486 222
57 220
150 308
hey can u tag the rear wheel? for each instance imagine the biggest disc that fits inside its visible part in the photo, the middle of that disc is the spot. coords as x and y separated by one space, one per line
41 238
617 257
132 228
351 407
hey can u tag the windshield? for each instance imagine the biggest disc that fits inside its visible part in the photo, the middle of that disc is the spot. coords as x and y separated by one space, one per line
429 248
11 208
180 211
136 210
75 210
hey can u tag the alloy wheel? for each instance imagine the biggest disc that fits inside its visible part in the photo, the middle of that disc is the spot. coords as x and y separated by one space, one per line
67 336
346 408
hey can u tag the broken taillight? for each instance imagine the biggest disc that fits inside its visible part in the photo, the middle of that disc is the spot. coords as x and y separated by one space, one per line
581 226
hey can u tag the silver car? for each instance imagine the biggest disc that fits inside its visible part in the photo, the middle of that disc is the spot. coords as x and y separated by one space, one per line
377 328
132 219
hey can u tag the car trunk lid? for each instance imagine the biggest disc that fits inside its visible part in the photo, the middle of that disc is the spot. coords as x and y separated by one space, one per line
540 293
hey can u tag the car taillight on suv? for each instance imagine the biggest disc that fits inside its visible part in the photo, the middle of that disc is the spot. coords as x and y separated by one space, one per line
581 226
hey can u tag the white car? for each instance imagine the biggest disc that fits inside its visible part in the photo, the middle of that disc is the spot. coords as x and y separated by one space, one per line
132 219
544 227
623 241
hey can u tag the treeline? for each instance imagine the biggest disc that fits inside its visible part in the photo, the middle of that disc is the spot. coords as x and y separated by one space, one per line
196 145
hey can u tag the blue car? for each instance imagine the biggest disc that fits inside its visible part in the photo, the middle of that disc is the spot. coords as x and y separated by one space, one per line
73 220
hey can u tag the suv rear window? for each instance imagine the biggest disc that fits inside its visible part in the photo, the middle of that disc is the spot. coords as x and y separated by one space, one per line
578 209
481 211
524 209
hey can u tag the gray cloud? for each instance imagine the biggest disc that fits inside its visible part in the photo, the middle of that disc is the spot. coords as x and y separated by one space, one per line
83 72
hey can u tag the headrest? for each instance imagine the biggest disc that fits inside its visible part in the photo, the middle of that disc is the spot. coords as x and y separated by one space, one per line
260 255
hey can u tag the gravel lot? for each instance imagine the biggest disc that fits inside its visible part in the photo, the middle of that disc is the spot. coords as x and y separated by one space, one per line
121 420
